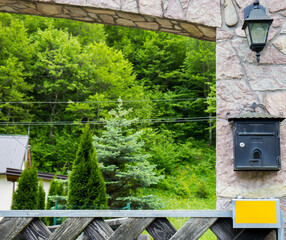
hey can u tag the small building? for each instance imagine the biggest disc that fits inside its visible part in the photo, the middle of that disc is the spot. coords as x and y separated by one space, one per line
14 153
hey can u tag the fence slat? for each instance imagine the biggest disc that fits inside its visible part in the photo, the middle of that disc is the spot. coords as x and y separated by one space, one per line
131 229
36 230
194 228
161 229
223 229
11 227
98 229
70 229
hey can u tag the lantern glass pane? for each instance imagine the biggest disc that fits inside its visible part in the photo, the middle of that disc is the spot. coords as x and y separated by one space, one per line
248 35
258 32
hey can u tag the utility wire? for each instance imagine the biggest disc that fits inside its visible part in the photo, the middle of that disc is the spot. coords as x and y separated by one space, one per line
163 120
108 101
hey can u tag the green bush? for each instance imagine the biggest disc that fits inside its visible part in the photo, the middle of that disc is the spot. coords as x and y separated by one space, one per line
26 195
41 196
86 185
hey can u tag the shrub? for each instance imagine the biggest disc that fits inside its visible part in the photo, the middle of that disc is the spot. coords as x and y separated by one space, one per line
26 195
86 185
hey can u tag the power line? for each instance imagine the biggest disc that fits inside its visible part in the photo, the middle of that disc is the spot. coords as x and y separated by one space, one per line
162 120
108 101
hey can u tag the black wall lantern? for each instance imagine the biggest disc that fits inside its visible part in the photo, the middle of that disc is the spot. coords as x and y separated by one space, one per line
256 26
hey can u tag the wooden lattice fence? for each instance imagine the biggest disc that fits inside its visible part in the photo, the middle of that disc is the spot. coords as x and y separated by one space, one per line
84 225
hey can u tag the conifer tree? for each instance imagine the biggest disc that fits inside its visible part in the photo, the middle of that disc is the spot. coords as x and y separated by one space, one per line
53 190
26 195
125 169
86 184
41 196
57 195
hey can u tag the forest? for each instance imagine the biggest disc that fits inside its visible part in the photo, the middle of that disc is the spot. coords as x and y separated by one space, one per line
57 75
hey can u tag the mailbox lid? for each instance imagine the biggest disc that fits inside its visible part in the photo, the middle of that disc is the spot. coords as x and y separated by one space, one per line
254 116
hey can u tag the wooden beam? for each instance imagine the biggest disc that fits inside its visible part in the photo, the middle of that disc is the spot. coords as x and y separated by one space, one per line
131 229
98 229
116 213
223 229
70 229
36 230
11 227
161 229
194 228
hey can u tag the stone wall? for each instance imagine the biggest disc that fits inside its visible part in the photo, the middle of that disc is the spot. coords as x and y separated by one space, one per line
193 18
240 82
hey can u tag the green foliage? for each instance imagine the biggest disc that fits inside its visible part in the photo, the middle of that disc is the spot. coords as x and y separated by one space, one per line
57 195
41 196
86 185
57 60
53 190
161 147
26 194
194 176
126 170
56 152
86 33
171 67
15 55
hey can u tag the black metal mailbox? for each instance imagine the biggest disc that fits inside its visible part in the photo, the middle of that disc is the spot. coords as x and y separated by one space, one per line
257 142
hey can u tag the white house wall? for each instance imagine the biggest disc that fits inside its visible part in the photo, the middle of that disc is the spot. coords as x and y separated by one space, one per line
6 192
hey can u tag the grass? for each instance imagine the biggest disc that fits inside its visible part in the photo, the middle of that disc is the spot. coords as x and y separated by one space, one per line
173 202
180 192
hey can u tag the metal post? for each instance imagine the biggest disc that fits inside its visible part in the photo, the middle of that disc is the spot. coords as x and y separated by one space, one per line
55 219
281 229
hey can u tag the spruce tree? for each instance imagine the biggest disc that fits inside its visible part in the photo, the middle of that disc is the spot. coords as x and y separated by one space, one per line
26 195
125 169
86 184
41 196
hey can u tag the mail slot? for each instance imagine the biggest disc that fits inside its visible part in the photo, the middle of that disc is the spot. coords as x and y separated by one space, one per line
256 142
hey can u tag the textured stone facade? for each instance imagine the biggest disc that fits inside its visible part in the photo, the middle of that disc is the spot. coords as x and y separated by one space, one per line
240 82
193 18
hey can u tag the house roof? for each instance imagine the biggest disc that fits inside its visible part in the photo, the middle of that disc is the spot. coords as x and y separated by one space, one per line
14 174
12 151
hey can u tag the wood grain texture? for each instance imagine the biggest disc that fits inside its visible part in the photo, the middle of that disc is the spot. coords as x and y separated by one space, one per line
223 229
161 229
131 229
98 229
36 230
253 234
70 229
194 228
115 213
82 237
11 227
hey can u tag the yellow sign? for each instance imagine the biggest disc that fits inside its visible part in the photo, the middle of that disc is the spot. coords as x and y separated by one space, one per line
256 212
